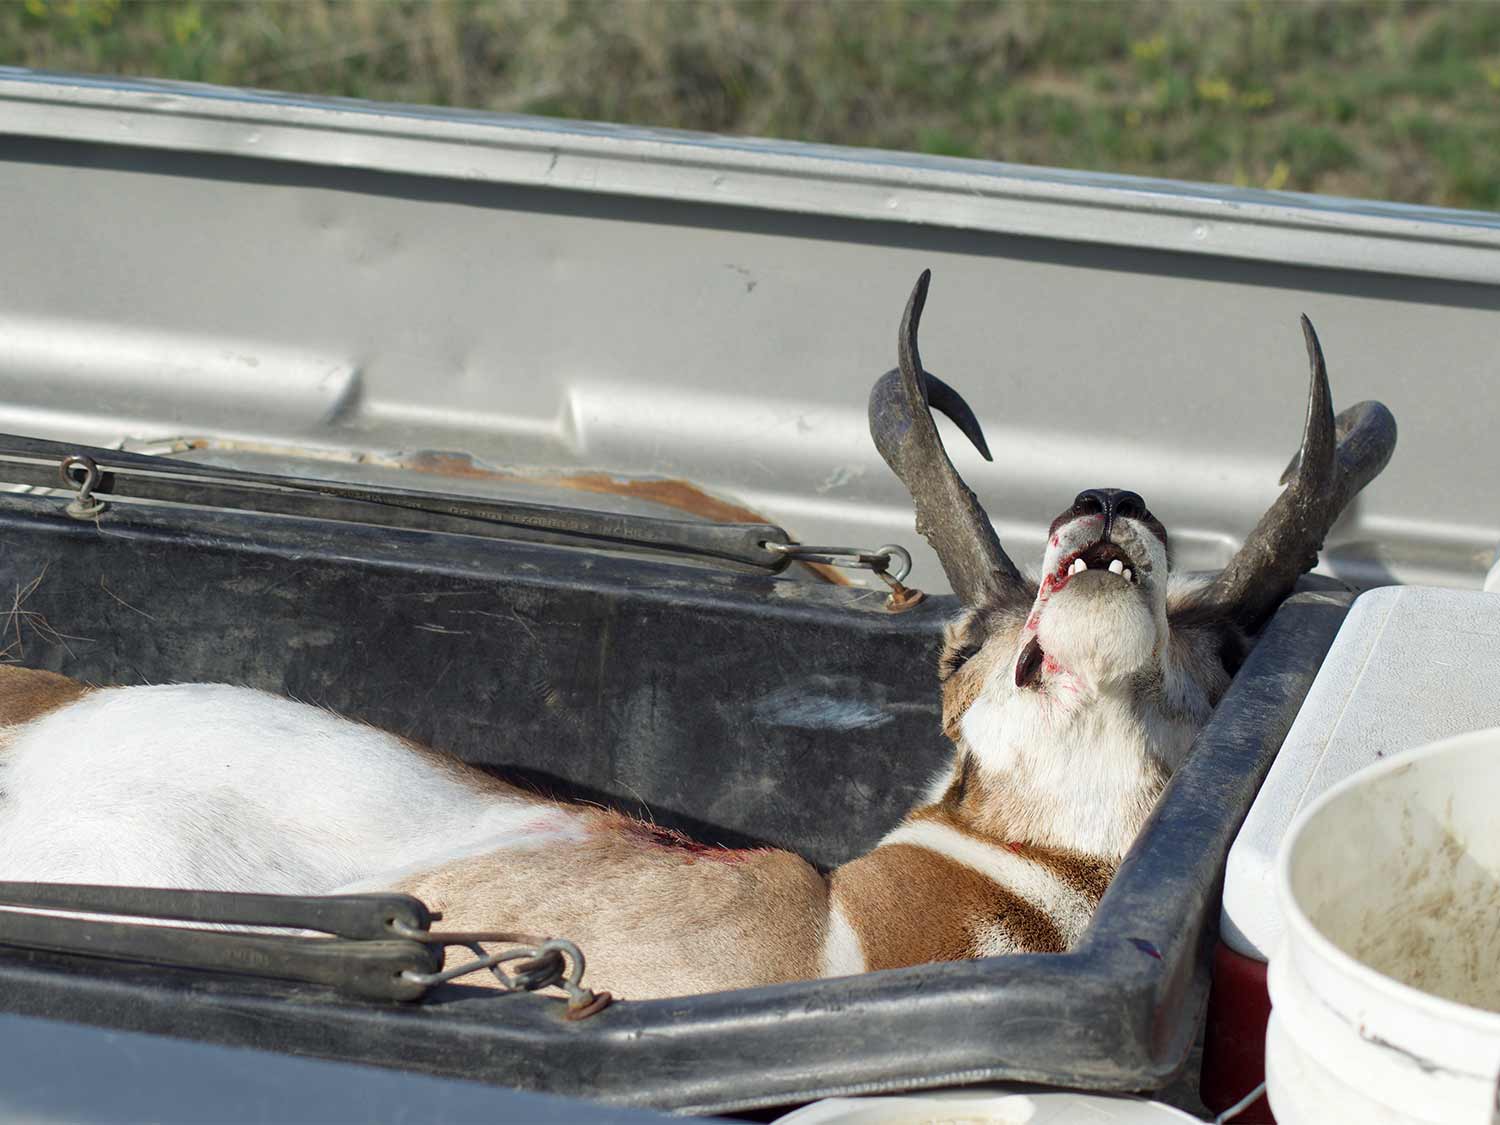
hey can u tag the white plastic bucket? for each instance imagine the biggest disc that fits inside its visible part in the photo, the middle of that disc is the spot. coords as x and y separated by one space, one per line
1385 991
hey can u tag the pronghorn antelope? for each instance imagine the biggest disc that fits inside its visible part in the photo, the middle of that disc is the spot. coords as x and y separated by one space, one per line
1069 702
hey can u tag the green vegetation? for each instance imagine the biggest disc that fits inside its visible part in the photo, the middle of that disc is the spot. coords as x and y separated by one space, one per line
1389 100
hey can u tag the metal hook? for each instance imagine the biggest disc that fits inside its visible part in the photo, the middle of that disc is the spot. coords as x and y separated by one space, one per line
84 506
879 560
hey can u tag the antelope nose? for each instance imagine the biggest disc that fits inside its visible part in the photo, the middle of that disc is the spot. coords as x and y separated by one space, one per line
1111 503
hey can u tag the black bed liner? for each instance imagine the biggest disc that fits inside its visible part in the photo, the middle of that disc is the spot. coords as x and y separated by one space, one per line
740 709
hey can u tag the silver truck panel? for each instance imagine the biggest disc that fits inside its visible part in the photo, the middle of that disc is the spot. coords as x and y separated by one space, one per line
560 297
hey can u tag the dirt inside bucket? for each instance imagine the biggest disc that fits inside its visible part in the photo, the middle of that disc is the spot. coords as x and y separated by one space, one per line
1440 929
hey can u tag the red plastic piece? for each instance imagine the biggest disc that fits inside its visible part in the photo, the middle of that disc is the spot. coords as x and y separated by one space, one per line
1234 1042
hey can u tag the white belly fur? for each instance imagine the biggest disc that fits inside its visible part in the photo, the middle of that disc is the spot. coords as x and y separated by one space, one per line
225 788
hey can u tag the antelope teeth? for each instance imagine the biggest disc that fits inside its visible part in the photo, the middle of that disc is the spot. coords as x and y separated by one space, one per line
1117 567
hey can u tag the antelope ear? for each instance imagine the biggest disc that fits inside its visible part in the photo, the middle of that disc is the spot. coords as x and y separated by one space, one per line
963 640
958 697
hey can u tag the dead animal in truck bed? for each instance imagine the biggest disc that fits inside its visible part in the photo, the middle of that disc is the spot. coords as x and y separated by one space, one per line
1069 701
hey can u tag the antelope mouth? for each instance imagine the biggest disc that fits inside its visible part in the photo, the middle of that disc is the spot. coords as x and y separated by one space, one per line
1104 557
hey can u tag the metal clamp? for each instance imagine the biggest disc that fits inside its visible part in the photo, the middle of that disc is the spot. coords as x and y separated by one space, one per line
382 948
127 476
878 560
859 558
132 477
542 964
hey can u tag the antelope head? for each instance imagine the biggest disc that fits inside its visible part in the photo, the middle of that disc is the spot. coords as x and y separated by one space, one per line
1077 692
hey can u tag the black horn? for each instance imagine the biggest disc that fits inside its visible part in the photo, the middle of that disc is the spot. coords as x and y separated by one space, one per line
1339 456
948 514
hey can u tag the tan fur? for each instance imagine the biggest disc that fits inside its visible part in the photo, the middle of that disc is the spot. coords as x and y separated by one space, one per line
975 805
1087 874
910 905
28 693
655 914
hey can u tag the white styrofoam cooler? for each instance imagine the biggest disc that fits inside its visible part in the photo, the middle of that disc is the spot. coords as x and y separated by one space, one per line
1411 665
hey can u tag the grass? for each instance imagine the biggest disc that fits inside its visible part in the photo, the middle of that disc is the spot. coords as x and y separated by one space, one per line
1382 100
